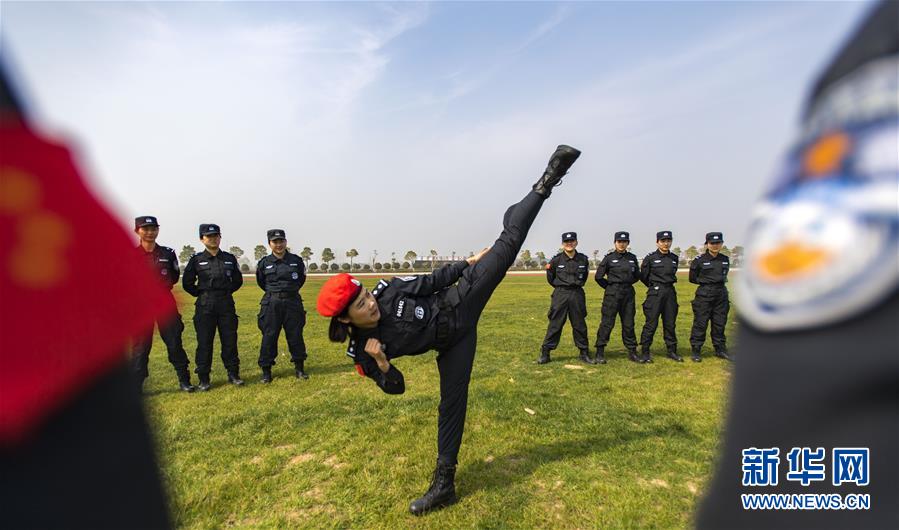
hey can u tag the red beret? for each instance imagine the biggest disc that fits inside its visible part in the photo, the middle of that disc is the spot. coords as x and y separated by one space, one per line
337 293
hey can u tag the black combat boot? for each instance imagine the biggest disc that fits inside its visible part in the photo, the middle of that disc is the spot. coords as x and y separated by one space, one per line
723 355
184 382
585 357
646 357
632 355
266 375
234 378
695 356
544 357
558 165
672 354
600 355
440 494
204 385
301 372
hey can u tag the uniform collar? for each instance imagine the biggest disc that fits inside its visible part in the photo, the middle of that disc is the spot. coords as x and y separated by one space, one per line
156 250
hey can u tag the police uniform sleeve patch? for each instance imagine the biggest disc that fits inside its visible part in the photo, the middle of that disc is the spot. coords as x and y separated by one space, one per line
829 197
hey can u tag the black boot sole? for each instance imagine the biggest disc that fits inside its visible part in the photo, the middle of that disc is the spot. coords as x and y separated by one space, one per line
438 506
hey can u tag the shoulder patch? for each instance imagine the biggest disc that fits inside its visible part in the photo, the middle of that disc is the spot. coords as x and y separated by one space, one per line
837 189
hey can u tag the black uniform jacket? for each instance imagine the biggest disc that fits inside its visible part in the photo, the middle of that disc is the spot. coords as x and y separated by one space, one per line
659 269
285 275
562 271
410 317
164 261
207 273
707 270
620 267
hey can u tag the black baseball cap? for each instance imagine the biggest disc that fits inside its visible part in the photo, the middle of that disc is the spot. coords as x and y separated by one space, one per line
569 236
276 233
209 229
714 237
145 220
664 234
622 236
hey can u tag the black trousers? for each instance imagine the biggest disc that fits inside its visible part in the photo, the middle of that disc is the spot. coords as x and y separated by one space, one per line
215 311
170 330
276 313
618 301
475 288
571 304
711 303
661 300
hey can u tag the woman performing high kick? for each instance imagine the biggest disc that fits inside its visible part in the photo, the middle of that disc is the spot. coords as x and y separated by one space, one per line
440 311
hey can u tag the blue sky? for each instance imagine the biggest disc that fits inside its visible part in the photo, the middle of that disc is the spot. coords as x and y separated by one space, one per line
392 127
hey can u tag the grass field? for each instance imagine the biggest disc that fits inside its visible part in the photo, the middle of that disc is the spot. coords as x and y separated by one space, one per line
613 446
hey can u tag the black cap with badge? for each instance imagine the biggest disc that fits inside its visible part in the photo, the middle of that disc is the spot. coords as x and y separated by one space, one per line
145 220
714 237
276 233
209 230
569 236
664 234
622 236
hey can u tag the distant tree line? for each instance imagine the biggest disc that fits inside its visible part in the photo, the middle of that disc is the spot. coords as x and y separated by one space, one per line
527 260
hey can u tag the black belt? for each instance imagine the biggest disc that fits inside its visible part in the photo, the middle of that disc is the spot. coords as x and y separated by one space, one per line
215 292
283 294
569 287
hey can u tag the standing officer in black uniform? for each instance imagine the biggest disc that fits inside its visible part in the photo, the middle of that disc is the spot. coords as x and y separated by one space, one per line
165 262
281 275
709 270
617 273
211 276
567 272
414 314
659 273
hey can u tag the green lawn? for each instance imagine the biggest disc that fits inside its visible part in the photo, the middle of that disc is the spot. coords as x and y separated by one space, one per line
619 445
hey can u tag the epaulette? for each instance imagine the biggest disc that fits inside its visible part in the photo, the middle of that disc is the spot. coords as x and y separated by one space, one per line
351 349
382 284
